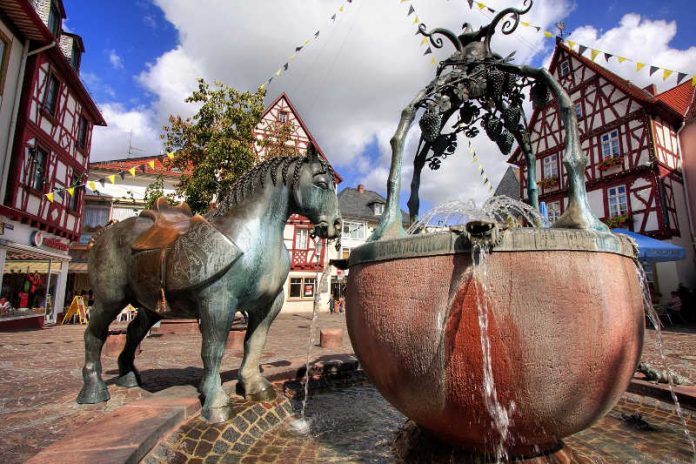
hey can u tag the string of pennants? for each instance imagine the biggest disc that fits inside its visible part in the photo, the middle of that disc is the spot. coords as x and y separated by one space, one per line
416 21
92 184
482 172
303 46
594 53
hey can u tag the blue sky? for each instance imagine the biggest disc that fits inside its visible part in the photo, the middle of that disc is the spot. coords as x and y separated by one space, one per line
143 57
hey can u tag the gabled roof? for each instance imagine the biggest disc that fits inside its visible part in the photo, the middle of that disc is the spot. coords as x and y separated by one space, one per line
679 98
657 105
119 165
25 19
355 204
304 127
509 185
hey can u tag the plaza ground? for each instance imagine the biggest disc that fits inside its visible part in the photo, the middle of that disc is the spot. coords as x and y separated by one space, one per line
40 373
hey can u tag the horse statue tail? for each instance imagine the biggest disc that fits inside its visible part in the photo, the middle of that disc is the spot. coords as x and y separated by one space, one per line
96 236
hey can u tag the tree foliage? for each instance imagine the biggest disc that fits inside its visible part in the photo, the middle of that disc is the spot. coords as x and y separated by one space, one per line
156 190
216 145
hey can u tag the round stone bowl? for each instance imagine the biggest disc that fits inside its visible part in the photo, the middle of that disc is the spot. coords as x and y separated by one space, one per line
565 327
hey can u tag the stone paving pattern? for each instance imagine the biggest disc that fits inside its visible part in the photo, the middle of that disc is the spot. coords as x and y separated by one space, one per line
40 373
40 376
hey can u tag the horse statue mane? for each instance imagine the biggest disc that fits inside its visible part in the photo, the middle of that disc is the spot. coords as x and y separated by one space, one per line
256 177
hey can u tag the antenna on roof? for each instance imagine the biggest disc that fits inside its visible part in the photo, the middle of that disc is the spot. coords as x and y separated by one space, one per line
561 26
131 148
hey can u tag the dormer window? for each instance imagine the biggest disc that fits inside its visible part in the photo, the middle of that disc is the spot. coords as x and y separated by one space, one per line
564 69
378 208
76 57
283 117
54 20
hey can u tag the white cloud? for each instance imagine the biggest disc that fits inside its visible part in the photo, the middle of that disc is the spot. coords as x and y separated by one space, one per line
128 131
115 60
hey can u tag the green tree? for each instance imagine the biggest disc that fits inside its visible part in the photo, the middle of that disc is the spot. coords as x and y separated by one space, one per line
156 190
215 146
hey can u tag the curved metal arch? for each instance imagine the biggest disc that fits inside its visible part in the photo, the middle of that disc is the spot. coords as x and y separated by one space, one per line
510 23
437 41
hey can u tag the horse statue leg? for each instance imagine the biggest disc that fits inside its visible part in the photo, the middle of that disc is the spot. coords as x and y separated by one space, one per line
102 314
217 308
251 383
137 329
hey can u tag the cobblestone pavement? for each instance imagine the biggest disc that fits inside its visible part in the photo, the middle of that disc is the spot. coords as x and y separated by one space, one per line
40 376
40 373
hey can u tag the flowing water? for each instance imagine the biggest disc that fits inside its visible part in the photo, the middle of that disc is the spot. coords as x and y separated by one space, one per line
500 415
655 321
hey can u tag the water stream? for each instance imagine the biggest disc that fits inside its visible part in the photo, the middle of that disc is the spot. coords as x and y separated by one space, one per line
655 321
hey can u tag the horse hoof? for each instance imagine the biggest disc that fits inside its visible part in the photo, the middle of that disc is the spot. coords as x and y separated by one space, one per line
93 393
263 396
129 380
217 415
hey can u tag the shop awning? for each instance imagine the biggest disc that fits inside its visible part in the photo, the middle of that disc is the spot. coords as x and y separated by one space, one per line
653 251
79 268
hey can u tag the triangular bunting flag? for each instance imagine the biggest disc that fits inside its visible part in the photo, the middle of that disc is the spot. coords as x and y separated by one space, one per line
341 9
680 77
49 197
92 185
416 20
538 29
548 35
693 80
571 44
270 79
607 56
411 10
620 59
639 66
297 49
143 168
428 51
102 181
112 178
666 73
151 163
316 34
424 41
170 155
285 66
594 54
293 56
471 3
490 9
71 191
581 49
524 23
132 171
306 42
333 18
480 5
404 1
433 60
277 73
123 175
653 69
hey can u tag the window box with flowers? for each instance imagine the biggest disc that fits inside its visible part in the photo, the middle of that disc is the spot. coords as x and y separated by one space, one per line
610 162
548 182
622 220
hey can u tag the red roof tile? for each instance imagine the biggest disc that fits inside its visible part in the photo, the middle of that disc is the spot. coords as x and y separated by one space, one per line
679 98
125 164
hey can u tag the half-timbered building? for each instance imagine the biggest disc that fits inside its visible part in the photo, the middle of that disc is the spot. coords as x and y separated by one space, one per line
48 146
633 176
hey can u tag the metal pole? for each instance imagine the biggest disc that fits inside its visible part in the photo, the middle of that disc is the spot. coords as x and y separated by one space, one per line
48 286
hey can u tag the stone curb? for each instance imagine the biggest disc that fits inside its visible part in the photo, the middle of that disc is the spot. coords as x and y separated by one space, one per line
128 434
685 394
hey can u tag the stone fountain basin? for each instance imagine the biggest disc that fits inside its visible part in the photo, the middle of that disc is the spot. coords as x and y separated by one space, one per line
565 326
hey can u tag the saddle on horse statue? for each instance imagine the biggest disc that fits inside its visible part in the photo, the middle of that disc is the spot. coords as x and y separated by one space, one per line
181 251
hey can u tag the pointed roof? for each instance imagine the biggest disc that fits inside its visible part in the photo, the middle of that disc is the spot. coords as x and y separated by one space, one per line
679 98
284 96
124 164
509 184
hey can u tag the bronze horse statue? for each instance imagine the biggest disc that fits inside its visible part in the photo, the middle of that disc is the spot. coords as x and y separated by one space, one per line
207 267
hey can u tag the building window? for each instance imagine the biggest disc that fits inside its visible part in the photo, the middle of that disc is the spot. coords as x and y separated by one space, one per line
551 167
345 253
578 110
95 216
54 20
354 230
378 208
38 168
618 203
554 210
301 239
4 58
283 117
565 68
76 56
51 95
610 144
73 200
302 287
82 128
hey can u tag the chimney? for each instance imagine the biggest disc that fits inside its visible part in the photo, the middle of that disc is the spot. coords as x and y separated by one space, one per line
651 89
361 188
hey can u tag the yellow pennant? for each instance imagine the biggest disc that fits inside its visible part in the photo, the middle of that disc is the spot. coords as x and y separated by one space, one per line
480 5
92 186
621 59
112 178
594 54
404 1
548 35
666 73
170 155
424 41
524 23
433 60
293 56
49 197
639 66
693 80
571 44
341 9
416 20
306 42
71 191
277 73
151 163
132 171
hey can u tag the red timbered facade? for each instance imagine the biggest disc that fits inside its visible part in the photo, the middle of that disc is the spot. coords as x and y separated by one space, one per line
629 135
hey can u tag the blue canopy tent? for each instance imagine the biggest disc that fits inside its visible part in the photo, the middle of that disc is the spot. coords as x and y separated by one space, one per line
651 250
